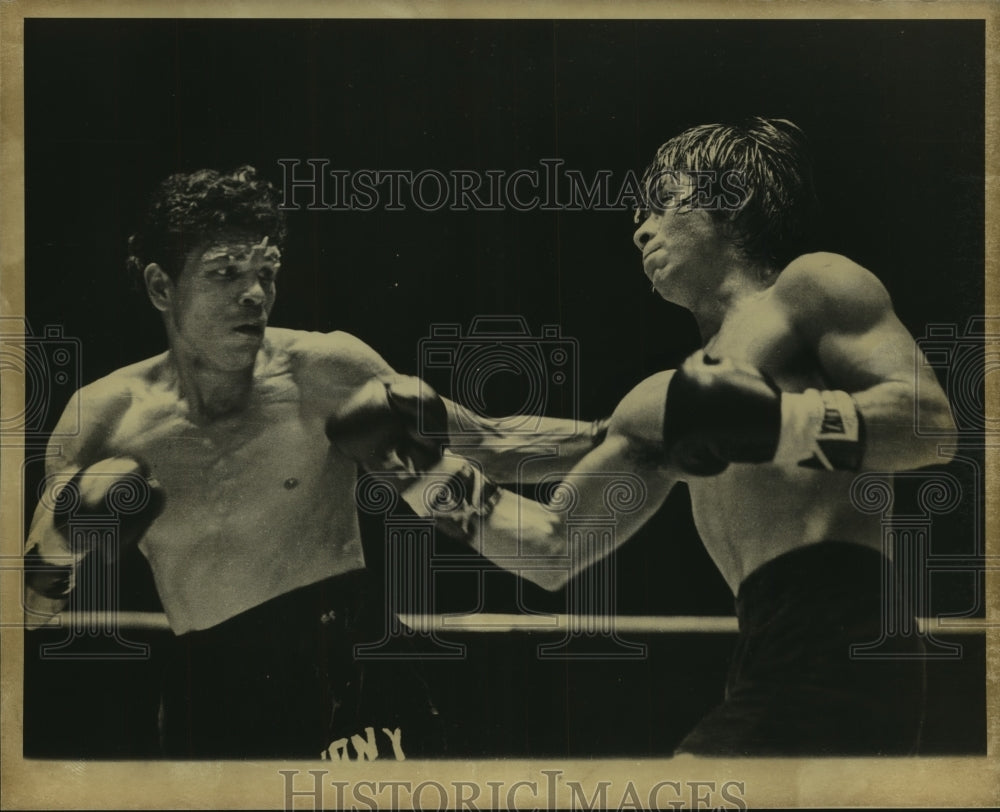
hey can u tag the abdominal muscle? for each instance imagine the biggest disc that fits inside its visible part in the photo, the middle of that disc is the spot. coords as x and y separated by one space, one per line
751 514
214 555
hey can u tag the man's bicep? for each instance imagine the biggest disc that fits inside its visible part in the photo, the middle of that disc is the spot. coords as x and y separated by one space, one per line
332 367
639 415
846 317
357 356
859 358
861 346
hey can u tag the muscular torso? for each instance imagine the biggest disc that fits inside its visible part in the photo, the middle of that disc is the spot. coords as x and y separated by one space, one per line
750 514
257 503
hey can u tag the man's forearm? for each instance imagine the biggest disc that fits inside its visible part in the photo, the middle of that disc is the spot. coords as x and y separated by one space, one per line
520 535
527 538
888 412
533 538
521 449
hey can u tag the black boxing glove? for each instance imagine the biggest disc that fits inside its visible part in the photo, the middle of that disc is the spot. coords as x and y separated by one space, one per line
395 426
120 490
721 411
718 412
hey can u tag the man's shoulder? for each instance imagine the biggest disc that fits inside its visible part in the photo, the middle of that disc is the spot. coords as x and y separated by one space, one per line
335 352
823 286
308 342
95 410
639 415
123 383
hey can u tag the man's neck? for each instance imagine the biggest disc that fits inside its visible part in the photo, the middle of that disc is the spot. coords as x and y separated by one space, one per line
734 288
210 392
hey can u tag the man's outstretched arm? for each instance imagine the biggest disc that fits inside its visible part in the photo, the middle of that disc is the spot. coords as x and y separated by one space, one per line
516 449
522 449
621 478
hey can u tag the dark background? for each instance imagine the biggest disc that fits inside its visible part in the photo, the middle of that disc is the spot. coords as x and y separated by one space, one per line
895 114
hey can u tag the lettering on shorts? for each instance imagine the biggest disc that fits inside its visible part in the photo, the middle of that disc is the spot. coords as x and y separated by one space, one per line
365 746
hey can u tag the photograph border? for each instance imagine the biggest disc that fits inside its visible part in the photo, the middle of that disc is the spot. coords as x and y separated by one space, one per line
830 782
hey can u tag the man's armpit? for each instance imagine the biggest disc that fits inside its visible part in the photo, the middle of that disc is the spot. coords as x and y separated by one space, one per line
645 456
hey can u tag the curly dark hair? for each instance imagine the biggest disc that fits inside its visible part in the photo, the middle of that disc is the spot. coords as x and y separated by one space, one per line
767 162
189 207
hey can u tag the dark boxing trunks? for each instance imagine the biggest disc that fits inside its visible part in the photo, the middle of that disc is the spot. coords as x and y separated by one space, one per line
793 687
281 681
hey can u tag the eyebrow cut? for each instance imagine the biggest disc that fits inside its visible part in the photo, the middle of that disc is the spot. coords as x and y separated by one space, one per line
229 253
221 253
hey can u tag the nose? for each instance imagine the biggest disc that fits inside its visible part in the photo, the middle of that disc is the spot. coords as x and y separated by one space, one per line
253 296
643 233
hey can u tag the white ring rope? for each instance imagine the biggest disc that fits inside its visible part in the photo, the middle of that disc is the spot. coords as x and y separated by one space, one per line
493 623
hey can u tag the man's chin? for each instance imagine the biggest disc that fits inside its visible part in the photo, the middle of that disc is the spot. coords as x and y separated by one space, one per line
239 353
665 293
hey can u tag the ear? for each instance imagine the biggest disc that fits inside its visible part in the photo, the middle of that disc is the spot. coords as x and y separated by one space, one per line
158 286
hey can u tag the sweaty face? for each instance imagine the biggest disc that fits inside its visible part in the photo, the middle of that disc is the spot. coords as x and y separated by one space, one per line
220 302
683 252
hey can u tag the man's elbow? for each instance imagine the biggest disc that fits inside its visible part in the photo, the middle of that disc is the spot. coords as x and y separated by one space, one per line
940 432
551 580
40 611
929 441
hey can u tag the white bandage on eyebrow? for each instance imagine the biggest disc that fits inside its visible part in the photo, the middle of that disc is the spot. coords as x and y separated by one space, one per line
265 251
237 252
820 430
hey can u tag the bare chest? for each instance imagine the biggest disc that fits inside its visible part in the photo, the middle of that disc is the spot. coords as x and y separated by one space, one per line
273 453
750 514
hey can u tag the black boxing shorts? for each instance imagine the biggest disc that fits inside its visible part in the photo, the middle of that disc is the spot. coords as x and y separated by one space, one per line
793 687
281 681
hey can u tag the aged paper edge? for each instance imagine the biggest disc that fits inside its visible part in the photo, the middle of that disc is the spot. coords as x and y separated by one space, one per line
951 782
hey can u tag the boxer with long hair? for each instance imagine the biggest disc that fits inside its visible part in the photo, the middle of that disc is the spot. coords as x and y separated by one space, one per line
806 376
